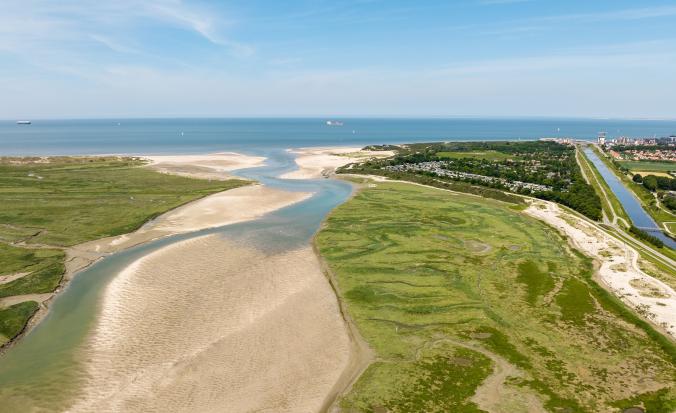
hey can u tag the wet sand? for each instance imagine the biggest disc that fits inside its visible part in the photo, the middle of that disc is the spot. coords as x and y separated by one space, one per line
210 325
209 166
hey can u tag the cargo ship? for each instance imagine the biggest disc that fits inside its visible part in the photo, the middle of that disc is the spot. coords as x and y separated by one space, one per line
23 122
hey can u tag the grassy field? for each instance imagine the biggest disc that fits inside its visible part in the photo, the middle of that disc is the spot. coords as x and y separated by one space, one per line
51 204
445 286
649 166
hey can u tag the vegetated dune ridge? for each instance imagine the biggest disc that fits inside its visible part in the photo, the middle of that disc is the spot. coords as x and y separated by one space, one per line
619 269
314 163
209 325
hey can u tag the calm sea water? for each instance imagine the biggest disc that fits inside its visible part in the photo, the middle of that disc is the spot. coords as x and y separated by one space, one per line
60 137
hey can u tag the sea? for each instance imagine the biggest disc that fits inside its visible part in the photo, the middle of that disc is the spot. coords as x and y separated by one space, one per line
157 136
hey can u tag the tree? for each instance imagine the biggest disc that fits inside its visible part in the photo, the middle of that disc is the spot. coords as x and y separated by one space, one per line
650 182
637 178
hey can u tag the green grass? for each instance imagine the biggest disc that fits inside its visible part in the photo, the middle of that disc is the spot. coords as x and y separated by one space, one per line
426 274
485 155
14 318
50 205
646 166
80 201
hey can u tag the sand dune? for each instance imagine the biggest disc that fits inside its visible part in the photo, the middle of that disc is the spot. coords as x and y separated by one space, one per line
619 269
207 325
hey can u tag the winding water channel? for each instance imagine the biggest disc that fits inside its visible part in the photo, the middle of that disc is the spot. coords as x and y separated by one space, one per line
639 217
45 371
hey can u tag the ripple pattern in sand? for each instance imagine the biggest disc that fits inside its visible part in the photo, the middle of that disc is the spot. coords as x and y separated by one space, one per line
207 325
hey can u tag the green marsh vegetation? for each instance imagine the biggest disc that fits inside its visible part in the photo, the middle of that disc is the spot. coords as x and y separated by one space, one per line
48 204
444 286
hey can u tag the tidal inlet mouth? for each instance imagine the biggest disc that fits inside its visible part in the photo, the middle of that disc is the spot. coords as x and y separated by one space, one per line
206 325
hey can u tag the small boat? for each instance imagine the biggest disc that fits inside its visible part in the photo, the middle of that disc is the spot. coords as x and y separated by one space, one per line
334 123
23 122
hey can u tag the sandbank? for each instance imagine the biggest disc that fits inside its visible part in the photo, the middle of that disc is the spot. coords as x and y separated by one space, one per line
209 166
619 271
314 163
208 325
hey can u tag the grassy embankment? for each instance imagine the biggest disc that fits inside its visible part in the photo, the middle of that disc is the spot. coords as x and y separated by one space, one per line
50 205
649 263
610 204
443 286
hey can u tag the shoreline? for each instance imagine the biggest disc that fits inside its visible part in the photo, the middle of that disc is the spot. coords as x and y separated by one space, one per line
321 162
81 256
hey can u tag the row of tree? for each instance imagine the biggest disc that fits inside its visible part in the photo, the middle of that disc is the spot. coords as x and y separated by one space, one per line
653 183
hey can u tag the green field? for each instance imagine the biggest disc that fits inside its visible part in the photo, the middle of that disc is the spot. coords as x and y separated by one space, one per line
50 204
646 166
445 286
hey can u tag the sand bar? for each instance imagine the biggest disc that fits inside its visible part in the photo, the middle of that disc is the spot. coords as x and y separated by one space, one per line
209 166
209 325
619 270
314 163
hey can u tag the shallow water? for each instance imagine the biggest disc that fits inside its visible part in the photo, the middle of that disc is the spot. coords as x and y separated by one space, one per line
639 217
45 371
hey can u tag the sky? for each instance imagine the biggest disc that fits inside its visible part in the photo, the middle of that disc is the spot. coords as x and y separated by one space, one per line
487 58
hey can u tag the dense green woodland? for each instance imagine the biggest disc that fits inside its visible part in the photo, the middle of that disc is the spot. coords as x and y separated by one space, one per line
536 162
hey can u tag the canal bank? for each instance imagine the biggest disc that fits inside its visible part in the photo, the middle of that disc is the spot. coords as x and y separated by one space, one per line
632 206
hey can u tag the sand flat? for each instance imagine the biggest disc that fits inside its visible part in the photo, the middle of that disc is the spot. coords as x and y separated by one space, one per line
223 208
313 163
208 166
209 325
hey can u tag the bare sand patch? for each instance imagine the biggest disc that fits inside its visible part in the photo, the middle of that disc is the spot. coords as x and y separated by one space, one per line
314 163
619 271
208 325
16 299
8 278
209 166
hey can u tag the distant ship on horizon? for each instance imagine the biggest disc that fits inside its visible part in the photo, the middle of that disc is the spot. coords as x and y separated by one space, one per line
23 122
334 123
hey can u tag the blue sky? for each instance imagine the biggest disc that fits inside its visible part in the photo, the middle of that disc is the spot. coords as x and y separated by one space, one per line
75 58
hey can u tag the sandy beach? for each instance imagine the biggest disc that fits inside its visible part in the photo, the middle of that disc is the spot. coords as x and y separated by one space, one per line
209 166
210 325
314 163
619 271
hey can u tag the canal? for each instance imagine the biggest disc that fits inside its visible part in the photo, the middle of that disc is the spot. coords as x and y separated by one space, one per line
639 217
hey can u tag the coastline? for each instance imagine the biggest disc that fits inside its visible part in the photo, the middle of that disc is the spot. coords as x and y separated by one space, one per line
219 209
315 163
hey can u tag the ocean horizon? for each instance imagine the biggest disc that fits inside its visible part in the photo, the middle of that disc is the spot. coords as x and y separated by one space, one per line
200 135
